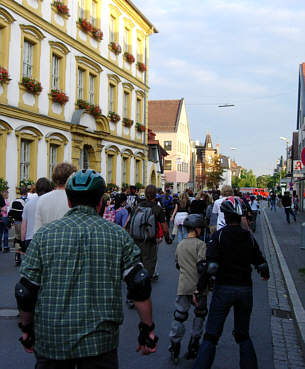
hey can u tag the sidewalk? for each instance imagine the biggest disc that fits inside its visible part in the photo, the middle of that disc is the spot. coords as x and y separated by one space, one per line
289 239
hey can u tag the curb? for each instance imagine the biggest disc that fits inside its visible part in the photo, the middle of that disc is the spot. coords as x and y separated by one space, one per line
295 302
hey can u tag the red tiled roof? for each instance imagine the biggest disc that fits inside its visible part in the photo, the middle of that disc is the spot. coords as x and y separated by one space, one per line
163 114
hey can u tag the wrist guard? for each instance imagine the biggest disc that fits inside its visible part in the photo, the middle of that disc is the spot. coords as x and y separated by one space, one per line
30 340
144 339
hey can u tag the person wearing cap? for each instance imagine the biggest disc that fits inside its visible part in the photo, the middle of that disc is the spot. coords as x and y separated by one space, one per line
230 254
188 253
70 294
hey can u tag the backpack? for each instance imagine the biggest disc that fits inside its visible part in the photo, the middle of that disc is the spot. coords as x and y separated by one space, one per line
17 210
109 213
143 224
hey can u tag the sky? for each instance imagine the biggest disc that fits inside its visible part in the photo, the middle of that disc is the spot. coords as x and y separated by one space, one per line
241 52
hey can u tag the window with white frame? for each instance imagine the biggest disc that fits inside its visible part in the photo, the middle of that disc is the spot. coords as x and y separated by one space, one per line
52 158
91 88
111 97
93 13
125 40
84 161
125 104
55 71
124 170
27 59
138 171
80 83
25 159
109 168
138 110
82 8
112 29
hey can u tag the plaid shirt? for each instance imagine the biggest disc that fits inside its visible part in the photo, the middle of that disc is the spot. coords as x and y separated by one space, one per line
78 262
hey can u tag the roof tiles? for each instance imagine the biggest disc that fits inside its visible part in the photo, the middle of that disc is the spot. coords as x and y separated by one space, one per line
163 114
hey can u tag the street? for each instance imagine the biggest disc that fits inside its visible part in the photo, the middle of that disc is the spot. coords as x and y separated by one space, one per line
267 331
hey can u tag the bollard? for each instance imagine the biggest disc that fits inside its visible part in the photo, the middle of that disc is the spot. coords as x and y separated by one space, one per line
302 236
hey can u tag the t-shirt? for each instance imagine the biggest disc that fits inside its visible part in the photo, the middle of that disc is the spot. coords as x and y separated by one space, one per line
51 206
220 215
189 251
28 215
121 216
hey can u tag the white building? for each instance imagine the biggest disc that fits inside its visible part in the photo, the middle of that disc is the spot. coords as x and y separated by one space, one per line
42 46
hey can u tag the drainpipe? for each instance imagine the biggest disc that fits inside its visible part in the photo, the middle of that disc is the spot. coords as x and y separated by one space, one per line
145 116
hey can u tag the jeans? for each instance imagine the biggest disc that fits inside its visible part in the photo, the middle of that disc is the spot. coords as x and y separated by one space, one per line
108 360
4 232
273 206
225 297
289 211
182 233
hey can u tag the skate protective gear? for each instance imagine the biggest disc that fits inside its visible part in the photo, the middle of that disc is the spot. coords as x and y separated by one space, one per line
181 316
212 268
144 339
138 284
29 329
26 295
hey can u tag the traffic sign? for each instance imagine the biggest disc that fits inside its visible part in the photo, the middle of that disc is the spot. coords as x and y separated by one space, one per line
303 155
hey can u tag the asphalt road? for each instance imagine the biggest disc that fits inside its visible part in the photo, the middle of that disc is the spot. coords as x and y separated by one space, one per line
163 295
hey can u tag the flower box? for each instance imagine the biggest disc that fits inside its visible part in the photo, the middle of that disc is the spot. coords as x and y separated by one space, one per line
59 97
32 86
92 109
86 26
129 58
127 122
97 34
115 48
4 78
114 117
142 67
140 127
61 8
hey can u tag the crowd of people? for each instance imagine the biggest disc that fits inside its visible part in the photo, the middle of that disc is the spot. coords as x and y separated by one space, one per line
79 241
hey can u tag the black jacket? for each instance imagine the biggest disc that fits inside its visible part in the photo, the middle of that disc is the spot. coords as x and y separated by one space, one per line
235 250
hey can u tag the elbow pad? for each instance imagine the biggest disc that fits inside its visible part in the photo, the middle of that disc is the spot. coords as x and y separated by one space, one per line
138 284
263 270
26 294
201 266
212 268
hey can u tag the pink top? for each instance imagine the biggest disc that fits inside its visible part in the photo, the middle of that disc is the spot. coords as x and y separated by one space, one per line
4 210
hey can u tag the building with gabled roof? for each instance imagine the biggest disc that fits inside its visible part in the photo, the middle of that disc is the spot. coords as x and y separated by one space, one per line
168 119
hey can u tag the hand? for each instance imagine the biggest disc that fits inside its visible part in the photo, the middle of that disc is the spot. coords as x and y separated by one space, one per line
145 349
195 298
172 219
26 349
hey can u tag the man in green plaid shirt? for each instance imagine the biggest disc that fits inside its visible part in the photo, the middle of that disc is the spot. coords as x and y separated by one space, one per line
69 294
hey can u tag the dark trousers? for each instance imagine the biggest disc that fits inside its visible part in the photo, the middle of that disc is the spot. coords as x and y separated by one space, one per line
149 255
225 297
289 211
108 360
4 232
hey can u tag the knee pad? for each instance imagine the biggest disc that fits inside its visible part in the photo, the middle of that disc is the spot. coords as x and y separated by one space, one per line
200 313
181 316
240 337
211 338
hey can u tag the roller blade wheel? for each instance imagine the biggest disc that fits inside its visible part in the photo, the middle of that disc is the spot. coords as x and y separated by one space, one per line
174 349
130 304
193 348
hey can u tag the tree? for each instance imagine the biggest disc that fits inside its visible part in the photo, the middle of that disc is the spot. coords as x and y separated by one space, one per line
214 173
247 179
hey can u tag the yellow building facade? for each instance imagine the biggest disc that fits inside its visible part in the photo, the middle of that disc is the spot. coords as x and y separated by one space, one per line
73 87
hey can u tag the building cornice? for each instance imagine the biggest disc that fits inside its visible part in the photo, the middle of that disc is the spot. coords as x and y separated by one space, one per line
64 37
